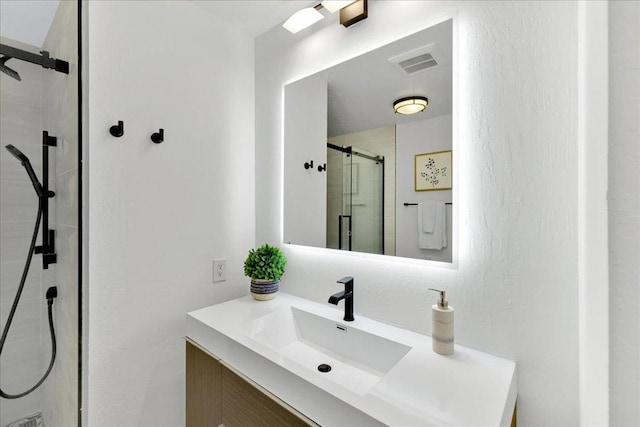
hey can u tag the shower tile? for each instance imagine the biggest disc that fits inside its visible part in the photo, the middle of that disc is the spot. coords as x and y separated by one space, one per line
20 124
27 361
25 324
11 410
15 238
10 167
66 199
66 153
62 40
66 271
18 202
60 99
26 92
10 274
67 245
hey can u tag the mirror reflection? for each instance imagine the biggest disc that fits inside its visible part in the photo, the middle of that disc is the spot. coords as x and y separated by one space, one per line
359 176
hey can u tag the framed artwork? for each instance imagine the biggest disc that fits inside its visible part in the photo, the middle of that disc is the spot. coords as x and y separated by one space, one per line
433 171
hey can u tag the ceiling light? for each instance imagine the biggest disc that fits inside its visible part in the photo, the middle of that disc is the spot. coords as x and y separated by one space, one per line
351 11
410 105
333 6
302 19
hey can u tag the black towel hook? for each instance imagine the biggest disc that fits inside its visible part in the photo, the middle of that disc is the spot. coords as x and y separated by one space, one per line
308 165
322 167
158 137
117 130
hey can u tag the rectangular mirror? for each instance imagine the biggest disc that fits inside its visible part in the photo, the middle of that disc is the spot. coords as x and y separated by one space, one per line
359 176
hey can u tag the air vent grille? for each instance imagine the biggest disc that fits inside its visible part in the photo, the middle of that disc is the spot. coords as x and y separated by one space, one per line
418 63
416 60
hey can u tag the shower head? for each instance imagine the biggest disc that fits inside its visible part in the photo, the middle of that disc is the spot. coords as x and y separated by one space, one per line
24 160
17 153
8 71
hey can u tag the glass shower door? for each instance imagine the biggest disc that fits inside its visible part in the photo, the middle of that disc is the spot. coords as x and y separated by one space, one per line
355 200
364 201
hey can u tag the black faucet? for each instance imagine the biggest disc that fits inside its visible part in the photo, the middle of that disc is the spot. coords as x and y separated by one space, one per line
347 296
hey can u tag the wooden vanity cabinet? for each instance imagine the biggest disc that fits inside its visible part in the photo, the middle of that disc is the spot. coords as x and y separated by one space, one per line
216 395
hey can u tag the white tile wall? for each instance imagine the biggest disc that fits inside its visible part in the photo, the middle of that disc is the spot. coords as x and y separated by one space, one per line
20 125
60 117
42 101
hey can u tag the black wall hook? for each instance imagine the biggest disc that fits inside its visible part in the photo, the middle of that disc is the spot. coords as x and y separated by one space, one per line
117 130
308 165
158 137
322 168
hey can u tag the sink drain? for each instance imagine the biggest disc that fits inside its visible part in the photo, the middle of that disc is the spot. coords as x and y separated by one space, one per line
323 367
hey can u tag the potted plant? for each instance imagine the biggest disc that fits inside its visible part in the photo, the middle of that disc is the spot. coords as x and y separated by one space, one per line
265 267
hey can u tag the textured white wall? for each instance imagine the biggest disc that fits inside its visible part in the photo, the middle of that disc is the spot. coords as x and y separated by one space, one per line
515 285
624 210
157 215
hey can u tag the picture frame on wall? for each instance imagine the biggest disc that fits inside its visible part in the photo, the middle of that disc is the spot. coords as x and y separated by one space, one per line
433 171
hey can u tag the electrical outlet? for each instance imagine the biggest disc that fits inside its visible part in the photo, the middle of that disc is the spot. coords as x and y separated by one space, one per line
219 270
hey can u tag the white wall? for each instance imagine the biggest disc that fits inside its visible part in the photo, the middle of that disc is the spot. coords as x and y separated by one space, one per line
515 285
305 202
624 211
157 215
422 136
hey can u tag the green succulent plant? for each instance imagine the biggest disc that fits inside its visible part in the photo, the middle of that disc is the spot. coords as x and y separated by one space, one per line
266 262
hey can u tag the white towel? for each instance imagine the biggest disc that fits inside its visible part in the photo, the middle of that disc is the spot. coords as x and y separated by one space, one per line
427 211
437 238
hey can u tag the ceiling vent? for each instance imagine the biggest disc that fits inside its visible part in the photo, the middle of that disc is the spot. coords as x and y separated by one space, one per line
422 58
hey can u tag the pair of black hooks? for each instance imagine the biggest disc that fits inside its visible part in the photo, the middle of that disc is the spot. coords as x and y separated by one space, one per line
309 165
118 131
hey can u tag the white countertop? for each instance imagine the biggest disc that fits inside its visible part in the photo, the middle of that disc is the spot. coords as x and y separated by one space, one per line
470 388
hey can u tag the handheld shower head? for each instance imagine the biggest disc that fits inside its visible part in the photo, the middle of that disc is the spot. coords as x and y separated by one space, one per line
8 71
17 153
24 160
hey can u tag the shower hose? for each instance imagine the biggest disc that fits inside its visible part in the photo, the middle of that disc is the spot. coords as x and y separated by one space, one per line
51 294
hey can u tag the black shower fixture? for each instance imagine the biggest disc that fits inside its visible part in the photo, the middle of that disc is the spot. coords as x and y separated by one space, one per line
48 248
158 137
117 130
24 160
43 59
8 71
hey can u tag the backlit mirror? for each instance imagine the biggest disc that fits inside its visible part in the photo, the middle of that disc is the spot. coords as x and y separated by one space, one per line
357 175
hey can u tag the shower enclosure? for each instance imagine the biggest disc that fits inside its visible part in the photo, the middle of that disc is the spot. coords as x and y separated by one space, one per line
355 200
39 126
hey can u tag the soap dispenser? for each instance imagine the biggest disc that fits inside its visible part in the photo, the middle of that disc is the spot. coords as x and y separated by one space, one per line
442 325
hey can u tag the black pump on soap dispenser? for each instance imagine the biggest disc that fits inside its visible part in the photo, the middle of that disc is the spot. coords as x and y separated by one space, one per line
442 325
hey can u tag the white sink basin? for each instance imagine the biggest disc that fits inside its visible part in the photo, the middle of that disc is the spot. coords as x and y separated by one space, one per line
358 359
381 374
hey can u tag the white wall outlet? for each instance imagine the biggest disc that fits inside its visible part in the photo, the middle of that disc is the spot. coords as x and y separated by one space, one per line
219 270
